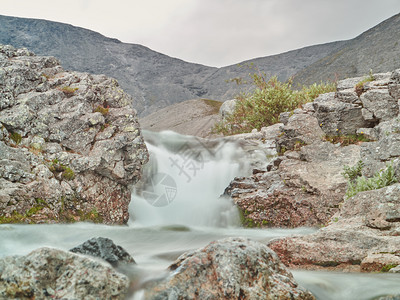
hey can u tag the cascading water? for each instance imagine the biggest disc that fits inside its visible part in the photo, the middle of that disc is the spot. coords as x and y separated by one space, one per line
184 180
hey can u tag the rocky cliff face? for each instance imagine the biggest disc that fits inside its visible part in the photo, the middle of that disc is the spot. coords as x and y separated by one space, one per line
70 143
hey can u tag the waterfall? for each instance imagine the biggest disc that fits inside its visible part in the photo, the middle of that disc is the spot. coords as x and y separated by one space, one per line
183 182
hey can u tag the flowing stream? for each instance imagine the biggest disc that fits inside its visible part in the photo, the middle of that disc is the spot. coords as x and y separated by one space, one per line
177 207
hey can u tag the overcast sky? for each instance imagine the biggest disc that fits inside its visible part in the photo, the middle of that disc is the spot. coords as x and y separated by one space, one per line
214 32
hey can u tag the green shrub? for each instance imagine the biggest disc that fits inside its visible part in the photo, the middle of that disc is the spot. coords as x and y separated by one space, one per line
68 174
387 268
92 216
381 179
263 106
352 173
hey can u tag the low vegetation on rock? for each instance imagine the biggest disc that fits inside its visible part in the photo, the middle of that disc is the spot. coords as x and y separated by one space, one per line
358 183
263 106
348 139
68 91
359 88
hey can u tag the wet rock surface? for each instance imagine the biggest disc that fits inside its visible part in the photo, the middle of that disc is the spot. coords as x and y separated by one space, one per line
105 249
48 273
70 144
233 268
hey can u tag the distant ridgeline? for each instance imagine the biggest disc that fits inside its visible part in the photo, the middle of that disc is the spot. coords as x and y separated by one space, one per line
156 80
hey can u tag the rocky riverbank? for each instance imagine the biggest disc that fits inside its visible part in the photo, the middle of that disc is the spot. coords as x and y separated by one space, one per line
70 144
304 185
232 268
71 149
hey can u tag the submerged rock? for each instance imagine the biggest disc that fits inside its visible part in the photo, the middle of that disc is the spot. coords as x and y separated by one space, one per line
48 273
105 249
233 268
70 144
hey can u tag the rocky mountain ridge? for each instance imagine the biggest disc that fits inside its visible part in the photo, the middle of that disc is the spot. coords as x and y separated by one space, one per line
153 79
156 80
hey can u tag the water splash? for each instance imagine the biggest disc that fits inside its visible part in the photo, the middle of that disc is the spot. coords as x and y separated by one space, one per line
184 180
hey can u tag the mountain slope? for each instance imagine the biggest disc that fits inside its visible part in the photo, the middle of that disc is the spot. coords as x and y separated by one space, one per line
150 77
283 66
377 49
156 80
153 79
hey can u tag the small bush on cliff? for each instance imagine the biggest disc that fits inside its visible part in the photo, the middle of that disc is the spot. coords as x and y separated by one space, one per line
263 106
357 183
352 173
68 174
359 88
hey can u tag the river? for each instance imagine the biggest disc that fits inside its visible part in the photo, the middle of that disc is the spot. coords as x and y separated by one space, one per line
177 208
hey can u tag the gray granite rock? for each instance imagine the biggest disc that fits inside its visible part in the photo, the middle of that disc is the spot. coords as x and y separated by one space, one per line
70 141
48 273
232 268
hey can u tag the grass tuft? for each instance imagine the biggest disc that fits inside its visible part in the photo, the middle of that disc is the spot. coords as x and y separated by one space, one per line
263 106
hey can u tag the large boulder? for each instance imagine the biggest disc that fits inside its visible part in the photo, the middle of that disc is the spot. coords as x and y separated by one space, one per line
301 187
305 189
227 108
336 115
233 268
70 144
48 273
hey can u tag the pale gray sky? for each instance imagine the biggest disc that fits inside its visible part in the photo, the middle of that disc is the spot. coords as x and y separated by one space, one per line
214 32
